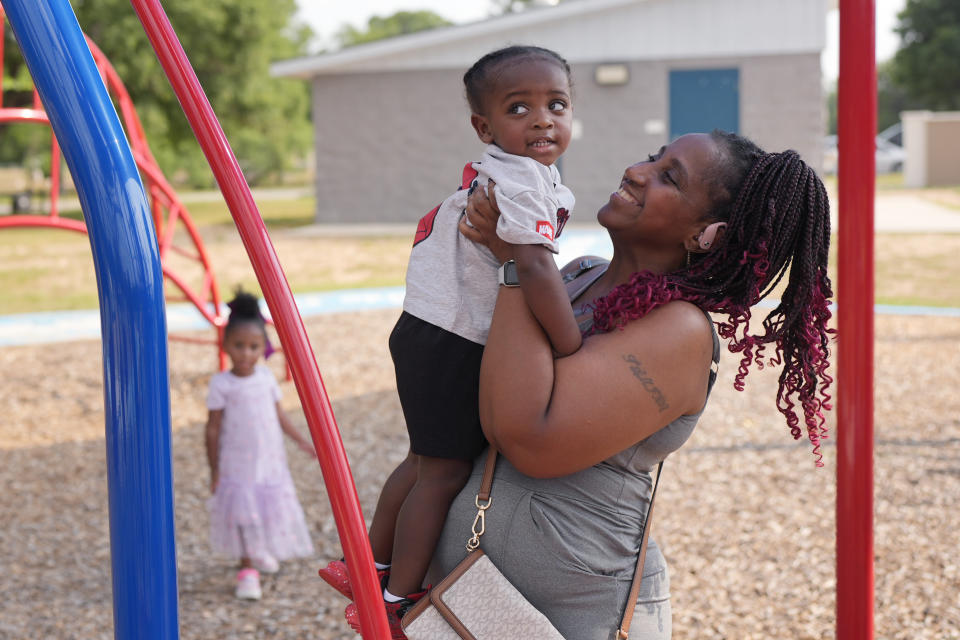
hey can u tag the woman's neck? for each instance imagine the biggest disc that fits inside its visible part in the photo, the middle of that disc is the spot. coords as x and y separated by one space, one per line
617 272
627 261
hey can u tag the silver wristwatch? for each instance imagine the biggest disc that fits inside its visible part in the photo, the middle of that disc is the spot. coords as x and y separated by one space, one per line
507 274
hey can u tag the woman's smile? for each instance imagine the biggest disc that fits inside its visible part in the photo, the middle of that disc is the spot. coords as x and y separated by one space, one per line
625 195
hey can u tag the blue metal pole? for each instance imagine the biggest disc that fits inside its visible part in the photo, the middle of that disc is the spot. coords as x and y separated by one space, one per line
132 321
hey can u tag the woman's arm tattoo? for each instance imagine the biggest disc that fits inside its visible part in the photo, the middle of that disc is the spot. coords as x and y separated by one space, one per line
648 384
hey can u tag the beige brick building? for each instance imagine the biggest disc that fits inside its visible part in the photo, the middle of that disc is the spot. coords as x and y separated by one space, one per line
392 127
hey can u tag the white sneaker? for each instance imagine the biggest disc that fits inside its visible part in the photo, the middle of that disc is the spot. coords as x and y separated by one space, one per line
266 564
248 584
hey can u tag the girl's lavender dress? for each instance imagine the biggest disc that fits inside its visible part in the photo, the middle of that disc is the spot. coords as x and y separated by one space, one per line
255 511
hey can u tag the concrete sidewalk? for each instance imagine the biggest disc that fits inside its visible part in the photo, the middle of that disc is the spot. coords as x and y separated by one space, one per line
896 212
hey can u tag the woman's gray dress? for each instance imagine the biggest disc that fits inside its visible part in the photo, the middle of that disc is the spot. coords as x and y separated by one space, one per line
570 544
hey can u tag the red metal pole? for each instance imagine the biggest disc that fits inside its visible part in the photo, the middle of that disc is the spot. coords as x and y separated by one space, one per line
856 128
293 336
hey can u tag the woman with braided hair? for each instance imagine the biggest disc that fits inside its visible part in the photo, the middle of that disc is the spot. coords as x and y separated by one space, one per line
710 224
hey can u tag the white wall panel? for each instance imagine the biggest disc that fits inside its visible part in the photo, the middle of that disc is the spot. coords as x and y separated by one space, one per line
601 30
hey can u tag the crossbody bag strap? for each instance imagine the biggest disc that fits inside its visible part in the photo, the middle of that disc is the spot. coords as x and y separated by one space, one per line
624 629
483 500
486 483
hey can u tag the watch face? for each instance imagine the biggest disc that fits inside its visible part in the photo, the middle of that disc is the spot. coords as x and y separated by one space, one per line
510 274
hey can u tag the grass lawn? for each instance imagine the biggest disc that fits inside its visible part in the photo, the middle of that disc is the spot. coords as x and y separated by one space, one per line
277 214
52 270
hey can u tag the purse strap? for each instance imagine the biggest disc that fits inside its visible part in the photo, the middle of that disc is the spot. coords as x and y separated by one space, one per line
484 500
624 629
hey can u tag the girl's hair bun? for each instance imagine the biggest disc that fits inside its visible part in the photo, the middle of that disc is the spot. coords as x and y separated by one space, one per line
244 307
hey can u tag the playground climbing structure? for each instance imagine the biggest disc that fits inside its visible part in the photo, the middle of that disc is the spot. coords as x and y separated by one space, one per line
187 271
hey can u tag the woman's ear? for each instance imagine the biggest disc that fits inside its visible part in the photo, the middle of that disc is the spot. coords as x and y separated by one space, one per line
482 126
707 238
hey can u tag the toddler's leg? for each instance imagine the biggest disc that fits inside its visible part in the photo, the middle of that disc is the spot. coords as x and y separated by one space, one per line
384 522
421 520
245 560
248 578
382 526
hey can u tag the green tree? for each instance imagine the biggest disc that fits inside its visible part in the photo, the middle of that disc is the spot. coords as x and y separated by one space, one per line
926 65
27 145
892 98
231 44
832 109
398 24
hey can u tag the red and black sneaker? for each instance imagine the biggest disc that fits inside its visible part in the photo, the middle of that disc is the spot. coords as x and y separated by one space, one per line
395 613
337 576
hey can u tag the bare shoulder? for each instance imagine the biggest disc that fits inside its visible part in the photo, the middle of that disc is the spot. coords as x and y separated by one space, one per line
629 383
676 321
683 316
675 341
680 329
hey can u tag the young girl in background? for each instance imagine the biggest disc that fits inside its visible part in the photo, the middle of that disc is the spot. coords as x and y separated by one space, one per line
254 512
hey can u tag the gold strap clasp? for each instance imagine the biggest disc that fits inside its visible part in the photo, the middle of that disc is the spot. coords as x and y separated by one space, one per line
479 523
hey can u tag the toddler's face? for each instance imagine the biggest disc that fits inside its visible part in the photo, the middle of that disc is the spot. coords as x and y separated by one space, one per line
244 344
528 112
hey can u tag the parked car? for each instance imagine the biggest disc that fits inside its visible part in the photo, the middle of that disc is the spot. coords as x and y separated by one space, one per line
889 156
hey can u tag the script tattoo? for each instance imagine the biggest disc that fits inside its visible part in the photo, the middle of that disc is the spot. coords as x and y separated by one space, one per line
641 374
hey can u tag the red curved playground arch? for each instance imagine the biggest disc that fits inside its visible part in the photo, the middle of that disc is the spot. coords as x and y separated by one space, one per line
170 216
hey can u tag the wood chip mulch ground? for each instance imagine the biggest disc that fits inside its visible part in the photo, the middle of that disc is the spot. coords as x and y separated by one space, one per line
746 521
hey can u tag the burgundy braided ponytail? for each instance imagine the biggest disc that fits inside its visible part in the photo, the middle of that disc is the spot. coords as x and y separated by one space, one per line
778 224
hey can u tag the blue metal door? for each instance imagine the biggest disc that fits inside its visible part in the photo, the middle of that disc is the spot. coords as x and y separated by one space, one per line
702 100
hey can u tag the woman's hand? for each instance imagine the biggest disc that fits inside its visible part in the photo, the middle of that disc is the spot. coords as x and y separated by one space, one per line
480 222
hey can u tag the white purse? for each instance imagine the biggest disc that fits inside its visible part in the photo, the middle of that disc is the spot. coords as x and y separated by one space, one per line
476 601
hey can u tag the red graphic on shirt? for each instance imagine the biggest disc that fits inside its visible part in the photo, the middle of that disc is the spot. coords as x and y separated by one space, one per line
545 229
425 226
562 216
469 173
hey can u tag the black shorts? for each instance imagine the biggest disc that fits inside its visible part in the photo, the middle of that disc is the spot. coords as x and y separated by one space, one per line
438 377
